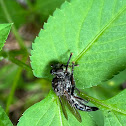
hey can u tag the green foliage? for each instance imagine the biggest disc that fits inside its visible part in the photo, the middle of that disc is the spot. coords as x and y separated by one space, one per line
17 13
94 31
4 74
48 112
116 114
39 10
4 31
4 120
46 7
109 88
114 109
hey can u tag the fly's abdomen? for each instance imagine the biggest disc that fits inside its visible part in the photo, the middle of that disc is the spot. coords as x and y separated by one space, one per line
78 104
83 107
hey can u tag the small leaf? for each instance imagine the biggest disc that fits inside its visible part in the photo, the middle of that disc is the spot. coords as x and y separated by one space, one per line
4 31
48 112
116 115
93 30
4 120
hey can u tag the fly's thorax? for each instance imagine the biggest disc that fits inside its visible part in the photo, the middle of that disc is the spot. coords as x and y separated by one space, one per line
68 85
58 86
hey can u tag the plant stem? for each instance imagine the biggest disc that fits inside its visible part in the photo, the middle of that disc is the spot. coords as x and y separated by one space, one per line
23 47
14 85
14 30
20 63
10 57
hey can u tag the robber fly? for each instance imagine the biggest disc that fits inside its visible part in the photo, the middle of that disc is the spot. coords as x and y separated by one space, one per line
63 85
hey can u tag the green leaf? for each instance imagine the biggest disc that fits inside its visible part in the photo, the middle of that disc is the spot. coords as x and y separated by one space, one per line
93 30
4 120
48 112
116 117
4 31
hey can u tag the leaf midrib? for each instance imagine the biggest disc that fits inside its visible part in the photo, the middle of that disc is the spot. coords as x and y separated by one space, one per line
45 112
98 35
83 20
61 120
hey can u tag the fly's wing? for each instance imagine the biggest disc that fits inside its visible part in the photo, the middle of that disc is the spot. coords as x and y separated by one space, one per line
72 109
63 107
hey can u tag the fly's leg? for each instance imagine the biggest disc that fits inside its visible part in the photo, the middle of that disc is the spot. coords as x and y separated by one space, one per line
72 80
77 90
81 99
68 61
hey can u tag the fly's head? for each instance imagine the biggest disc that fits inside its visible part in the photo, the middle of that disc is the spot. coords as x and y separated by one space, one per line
57 69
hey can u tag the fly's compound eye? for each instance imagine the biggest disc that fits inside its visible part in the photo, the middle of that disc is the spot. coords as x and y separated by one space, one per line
56 71
52 65
52 71
55 65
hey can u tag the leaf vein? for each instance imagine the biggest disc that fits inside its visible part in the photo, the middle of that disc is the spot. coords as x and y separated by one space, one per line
82 22
117 118
44 114
52 119
99 34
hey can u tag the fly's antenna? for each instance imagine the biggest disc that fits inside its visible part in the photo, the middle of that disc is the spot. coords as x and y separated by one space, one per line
68 61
